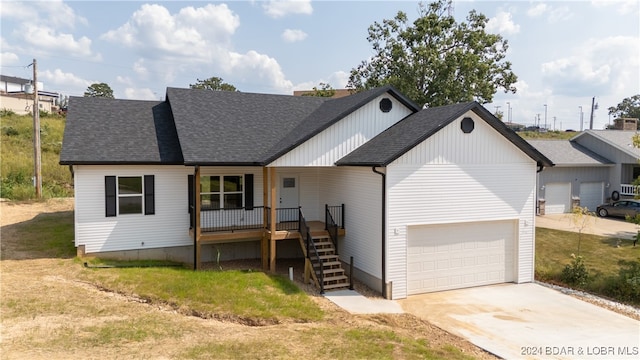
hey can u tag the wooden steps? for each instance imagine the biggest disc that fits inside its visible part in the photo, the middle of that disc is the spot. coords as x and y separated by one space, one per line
328 263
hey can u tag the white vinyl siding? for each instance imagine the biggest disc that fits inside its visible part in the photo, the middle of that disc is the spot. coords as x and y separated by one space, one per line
360 189
454 177
169 226
341 138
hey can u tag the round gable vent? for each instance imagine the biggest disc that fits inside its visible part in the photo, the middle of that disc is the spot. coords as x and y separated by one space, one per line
386 105
467 125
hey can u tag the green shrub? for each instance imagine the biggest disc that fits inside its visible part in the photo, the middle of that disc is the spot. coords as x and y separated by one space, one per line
626 285
575 273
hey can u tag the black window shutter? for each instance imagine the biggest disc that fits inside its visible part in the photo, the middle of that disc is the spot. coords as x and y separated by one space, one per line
190 198
248 191
110 195
149 197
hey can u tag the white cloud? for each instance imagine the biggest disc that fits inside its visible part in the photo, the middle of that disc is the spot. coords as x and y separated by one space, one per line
502 23
47 38
622 6
192 40
598 66
140 94
280 8
8 58
537 10
560 14
53 13
291 35
256 65
59 79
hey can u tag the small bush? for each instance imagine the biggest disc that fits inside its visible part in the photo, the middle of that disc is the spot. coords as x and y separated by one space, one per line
7 112
625 286
575 273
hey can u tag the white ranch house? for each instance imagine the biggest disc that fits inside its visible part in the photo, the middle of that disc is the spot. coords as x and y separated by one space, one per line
422 199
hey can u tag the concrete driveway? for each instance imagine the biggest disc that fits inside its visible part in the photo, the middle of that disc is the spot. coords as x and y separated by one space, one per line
611 227
529 321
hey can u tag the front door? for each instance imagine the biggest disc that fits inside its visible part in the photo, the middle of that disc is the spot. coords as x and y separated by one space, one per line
289 200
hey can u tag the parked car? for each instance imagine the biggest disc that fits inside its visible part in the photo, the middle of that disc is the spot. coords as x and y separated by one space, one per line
620 208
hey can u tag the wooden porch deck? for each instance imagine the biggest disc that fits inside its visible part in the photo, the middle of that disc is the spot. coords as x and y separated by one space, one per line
317 228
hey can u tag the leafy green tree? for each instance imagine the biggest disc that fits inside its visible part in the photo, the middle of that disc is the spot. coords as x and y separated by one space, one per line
325 90
435 60
99 90
213 83
628 108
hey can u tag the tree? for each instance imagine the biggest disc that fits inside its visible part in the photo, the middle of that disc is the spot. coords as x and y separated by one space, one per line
99 90
213 83
436 61
628 108
325 90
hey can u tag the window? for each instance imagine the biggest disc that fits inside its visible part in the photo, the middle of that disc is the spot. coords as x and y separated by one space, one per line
129 195
221 192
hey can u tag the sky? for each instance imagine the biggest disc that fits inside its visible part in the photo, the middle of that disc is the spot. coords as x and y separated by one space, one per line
565 53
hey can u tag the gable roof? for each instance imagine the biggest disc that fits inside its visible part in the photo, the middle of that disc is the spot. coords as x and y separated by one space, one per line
569 153
619 139
111 131
411 131
330 113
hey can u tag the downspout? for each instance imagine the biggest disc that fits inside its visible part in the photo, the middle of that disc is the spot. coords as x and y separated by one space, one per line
195 231
384 230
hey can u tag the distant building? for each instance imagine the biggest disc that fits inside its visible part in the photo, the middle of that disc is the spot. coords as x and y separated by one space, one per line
16 94
625 124
338 93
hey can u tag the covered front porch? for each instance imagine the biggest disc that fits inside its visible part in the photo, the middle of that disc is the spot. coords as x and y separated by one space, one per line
218 222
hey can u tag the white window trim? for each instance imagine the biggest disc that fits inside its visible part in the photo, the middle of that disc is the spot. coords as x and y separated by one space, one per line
118 195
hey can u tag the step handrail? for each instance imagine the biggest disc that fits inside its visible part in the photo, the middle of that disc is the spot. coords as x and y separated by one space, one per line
331 226
305 232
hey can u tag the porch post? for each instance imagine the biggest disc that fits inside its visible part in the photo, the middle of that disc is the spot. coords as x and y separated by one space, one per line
196 214
272 255
265 200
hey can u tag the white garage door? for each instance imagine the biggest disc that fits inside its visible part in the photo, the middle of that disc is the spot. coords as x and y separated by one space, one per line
453 256
591 194
558 198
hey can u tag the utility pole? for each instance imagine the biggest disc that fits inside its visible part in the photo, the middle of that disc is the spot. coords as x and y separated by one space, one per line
594 106
508 112
37 157
554 123
545 116
581 125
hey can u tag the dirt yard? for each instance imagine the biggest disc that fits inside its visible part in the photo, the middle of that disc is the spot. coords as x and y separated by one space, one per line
48 313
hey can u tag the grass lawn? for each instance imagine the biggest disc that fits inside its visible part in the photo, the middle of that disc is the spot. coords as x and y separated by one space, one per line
603 257
61 308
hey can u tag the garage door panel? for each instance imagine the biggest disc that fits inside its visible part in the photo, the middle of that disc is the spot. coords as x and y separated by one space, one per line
591 194
557 198
443 257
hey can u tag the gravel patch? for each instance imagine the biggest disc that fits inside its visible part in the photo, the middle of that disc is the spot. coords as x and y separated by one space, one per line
615 306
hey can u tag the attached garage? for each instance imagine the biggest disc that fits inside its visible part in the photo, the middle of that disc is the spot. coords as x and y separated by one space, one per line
557 198
591 194
459 255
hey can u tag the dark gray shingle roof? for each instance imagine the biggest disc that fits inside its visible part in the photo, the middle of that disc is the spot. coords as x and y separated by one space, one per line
568 153
414 129
234 128
111 131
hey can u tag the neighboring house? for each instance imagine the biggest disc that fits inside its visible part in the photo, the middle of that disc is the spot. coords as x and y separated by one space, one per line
16 94
423 200
594 167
